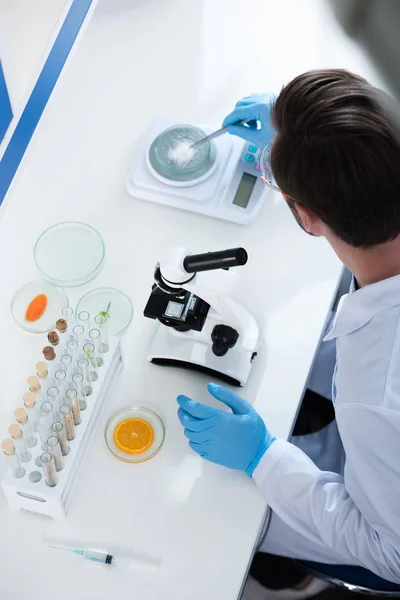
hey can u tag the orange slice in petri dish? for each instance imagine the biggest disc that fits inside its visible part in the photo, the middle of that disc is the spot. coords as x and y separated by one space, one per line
133 436
36 308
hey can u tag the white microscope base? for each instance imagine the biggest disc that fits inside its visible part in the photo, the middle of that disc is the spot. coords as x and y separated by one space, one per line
172 348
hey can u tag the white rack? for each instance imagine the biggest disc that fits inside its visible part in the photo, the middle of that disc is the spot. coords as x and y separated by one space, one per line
53 501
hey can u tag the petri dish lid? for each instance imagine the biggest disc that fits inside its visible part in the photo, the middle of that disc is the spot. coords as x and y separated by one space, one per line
144 414
120 308
69 253
56 300
171 158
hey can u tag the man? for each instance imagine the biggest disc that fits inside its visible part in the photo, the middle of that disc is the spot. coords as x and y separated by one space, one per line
335 156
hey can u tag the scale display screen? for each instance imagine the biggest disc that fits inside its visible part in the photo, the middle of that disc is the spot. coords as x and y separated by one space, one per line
245 189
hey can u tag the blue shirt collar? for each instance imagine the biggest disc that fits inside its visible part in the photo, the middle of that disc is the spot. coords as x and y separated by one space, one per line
358 307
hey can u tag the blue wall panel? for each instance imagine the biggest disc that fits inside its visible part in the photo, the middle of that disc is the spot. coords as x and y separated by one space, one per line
5 106
41 93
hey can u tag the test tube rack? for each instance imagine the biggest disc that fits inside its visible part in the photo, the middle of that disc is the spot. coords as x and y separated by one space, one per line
54 501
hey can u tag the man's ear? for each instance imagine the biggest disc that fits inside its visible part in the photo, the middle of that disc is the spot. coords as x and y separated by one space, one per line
309 220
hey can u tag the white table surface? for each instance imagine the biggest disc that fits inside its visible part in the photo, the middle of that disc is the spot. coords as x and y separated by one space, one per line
132 64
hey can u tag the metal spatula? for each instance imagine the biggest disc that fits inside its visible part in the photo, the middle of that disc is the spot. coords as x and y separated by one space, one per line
217 133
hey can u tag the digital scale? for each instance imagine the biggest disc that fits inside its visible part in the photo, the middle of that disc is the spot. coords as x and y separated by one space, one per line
226 184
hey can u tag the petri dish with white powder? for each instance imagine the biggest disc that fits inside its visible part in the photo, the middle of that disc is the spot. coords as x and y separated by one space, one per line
172 156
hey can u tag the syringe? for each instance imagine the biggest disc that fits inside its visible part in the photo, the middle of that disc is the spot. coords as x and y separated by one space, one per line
91 555
99 557
104 558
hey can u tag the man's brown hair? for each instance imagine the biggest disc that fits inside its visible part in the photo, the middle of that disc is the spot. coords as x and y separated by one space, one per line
337 152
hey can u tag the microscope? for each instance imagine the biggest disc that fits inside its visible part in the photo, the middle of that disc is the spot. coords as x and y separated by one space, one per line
208 320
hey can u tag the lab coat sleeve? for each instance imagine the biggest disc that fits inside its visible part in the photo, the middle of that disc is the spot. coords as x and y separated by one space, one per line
318 505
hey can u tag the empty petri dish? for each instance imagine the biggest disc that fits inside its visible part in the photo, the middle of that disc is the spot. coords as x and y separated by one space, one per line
69 253
135 434
172 158
115 303
52 297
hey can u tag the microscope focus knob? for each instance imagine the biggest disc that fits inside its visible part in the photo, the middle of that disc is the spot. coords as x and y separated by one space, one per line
223 338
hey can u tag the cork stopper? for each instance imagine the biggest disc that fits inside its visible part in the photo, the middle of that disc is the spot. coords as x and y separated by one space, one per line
53 338
41 369
15 431
48 353
34 384
8 447
21 415
29 399
61 325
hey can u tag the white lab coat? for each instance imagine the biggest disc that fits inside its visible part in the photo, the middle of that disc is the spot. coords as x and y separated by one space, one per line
346 510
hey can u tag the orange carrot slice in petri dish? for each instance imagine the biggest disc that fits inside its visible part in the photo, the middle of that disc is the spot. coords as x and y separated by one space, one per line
36 308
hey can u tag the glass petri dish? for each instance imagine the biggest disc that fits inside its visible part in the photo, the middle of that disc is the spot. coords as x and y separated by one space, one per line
171 157
56 301
144 414
70 253
120 308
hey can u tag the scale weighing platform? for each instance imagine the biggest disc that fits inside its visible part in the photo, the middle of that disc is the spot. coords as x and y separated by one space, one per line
224 182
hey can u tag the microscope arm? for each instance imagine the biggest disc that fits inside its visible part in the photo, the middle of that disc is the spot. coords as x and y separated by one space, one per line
204 275
229 296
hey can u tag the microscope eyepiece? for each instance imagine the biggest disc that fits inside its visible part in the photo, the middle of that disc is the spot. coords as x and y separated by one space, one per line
209 261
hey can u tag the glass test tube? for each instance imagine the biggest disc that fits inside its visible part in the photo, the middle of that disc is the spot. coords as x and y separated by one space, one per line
54 447
95 338
79 335
53 396
89 351
34 384
61 326
73 401
49 469
40 398
60 379
44 431
49 353
14 464
21 448
42 369
66 361
101 322
84 320
32 408
79 385
23 421
48 410
58 430
72 347
54 339
84 367
68 314
68 419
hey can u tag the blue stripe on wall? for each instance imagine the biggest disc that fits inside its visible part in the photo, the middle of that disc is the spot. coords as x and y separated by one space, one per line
5 106
41 93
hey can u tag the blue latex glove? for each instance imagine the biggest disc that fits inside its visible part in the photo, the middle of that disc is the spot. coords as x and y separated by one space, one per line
255 109
237 439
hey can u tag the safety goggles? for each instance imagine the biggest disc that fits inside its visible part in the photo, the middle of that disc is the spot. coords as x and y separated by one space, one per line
265 169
